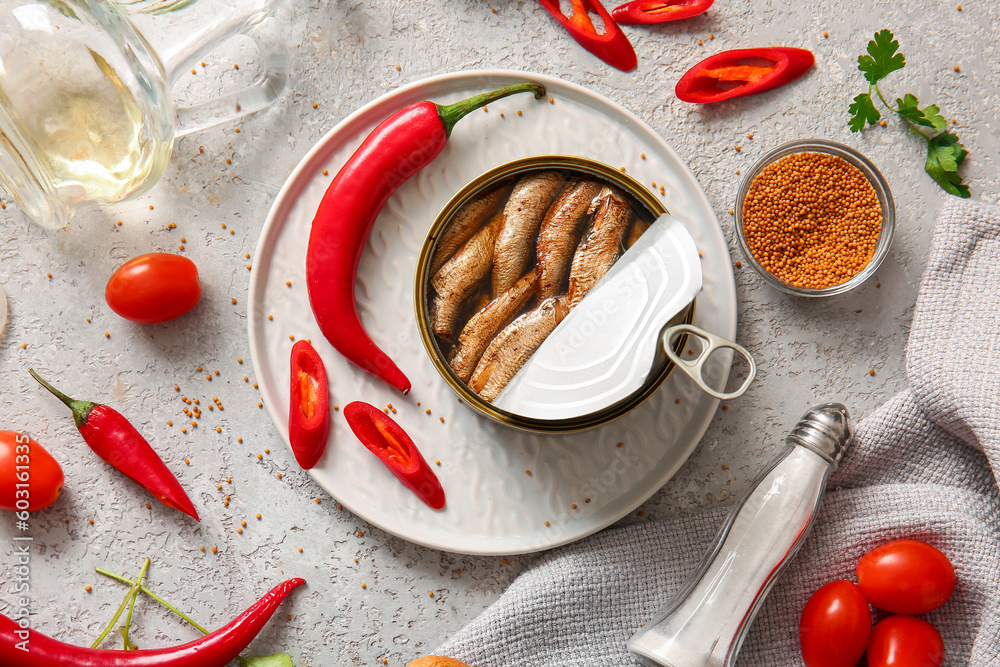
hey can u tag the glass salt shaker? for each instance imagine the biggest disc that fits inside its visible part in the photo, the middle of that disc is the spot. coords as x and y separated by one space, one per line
705 623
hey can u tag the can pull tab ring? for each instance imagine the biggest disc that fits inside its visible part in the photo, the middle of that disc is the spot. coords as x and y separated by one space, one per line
709 344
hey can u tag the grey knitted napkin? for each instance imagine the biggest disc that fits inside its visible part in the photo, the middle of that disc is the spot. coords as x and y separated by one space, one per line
922 466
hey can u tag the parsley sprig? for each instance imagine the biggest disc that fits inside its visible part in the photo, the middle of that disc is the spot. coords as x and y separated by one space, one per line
944 151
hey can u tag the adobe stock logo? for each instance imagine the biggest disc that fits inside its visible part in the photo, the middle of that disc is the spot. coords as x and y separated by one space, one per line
21 568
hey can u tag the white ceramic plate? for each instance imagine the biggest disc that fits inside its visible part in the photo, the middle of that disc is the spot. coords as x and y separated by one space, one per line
494 506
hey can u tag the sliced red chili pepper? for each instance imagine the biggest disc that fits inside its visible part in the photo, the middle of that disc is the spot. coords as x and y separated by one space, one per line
742 72
309 407
20 647
115 440
646 12
611 46
399 147
389 442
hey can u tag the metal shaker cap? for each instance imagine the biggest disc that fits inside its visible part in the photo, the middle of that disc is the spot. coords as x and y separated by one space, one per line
825 429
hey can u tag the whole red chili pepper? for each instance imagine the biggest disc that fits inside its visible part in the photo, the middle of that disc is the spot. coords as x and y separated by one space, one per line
390 443
611 46
742 72
399 147
115 440
646 12
309 407
213 650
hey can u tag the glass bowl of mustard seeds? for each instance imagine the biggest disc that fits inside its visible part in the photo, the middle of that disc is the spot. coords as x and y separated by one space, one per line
814 218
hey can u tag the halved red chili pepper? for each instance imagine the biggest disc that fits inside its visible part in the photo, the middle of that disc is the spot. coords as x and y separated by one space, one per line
611 46
742 72
389 442
309 407
30 648
399 147
646 12
115 440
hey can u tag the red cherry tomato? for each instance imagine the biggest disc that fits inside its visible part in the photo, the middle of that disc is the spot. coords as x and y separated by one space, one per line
905 641
906 577
154 288
24 461
835 626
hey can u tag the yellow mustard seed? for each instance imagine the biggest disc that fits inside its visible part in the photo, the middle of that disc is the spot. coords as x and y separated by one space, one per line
812 220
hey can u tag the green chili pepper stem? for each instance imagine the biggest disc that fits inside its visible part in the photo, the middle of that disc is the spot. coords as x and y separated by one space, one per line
131 605
81 409
126 580
452 113
121 608
129 646
139 587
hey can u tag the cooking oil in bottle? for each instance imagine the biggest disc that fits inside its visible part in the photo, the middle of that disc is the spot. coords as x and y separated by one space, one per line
92 140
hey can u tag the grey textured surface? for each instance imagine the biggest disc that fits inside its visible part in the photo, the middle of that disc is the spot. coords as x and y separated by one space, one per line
922 466
345 54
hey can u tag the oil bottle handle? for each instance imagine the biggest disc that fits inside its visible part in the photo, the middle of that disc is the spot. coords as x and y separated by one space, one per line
270 40
709 343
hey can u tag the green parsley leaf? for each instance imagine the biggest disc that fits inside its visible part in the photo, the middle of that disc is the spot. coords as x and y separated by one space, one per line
944 156
883 58
862 111
928 116
276 660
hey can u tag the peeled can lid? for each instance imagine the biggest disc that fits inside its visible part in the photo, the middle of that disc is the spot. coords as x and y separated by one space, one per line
604 349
